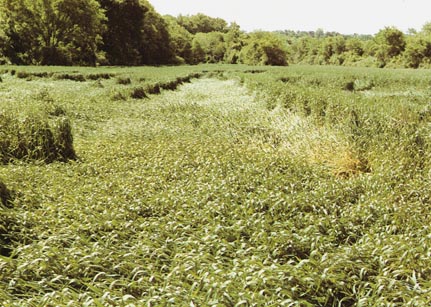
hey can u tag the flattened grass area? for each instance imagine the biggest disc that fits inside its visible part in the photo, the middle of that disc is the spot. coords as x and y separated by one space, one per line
280 188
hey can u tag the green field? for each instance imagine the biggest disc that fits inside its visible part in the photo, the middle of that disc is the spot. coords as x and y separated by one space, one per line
215 186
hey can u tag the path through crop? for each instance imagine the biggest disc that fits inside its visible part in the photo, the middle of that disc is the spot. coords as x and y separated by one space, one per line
203 106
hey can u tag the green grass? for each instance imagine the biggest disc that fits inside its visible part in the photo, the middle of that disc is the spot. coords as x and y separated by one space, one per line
277 188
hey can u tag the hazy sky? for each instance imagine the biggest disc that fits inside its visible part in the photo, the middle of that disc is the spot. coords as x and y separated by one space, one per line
344 16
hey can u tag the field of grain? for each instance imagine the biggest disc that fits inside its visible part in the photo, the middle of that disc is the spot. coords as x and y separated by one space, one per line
215 186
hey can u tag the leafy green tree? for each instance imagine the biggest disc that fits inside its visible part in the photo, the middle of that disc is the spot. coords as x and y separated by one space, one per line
122 39
414 53
426 29
354 51
136 34
355 46
211 44
302 49
198 53
181 40
332 46
156 47
234 41
390 42
3 39
51 32
418 49
264 48
201 23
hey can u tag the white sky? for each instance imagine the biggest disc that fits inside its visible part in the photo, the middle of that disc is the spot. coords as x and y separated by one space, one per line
343 16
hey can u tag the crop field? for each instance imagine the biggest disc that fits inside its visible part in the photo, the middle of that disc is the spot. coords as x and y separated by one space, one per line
215 185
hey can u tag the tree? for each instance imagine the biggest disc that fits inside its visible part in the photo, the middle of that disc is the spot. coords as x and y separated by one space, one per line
212 45
156 47
332 46
122 39
198 53
355 46
136 34
264 48
201 23
181 40
51 32
418 49
3 39
426 29
391 42
234 42
302 48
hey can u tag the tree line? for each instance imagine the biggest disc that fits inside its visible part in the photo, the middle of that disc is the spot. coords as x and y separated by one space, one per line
390 47
131 32
123 32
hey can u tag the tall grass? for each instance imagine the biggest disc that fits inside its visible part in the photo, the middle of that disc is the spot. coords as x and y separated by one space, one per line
377 128
5 221
33 138
276 188
5 196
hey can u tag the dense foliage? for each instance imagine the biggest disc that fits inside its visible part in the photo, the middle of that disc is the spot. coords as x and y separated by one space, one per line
299 186
62 32
263 49
131 32
83 32
388 48
135 34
